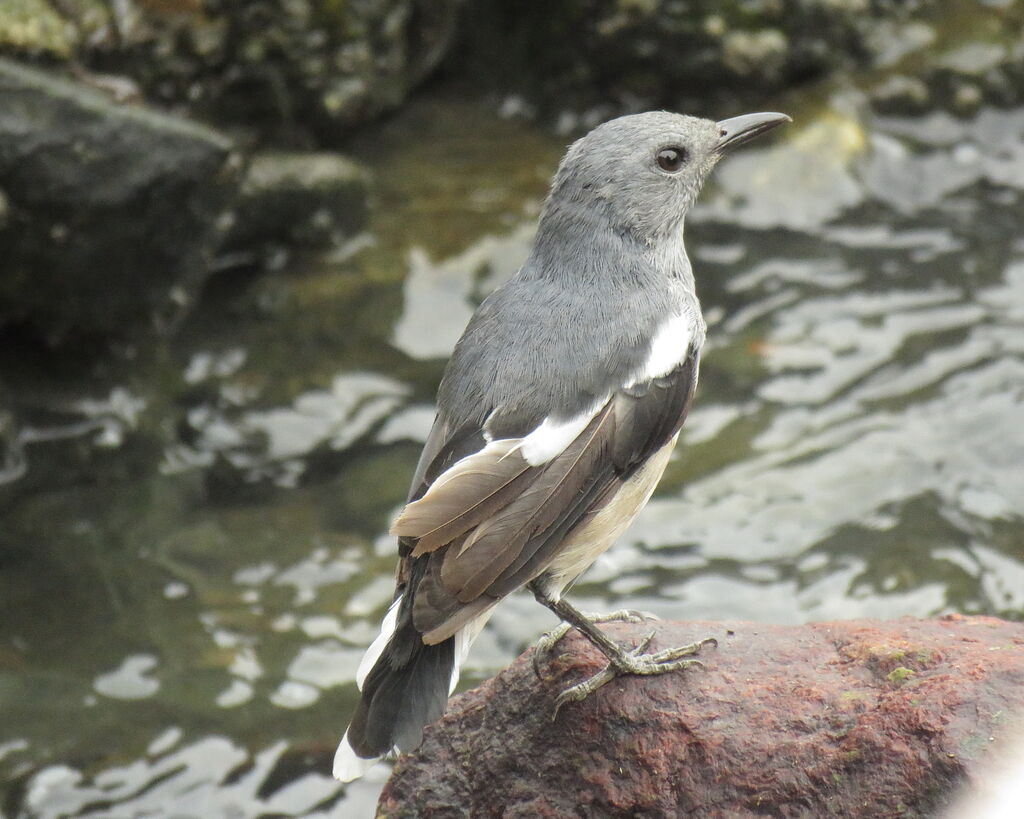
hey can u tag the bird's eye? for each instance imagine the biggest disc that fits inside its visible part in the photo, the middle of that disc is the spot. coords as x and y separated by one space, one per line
671 160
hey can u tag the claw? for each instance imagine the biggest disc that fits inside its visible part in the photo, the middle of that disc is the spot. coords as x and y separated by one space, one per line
550 639
636 662
547 642
580 691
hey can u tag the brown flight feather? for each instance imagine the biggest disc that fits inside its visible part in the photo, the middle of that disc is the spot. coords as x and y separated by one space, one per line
517 532
498 542
463 496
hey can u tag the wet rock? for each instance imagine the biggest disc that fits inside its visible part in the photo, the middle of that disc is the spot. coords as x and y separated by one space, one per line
663 53
299 199
858 718
900 94
950 65
702 55
111 208
264 64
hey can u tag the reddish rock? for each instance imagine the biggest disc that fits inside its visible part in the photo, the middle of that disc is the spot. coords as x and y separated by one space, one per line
855 719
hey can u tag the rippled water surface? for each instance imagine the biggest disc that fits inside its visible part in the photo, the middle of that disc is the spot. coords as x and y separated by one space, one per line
195 556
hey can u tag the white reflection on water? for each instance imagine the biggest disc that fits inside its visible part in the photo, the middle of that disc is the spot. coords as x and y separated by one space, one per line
273 443
441 297
210 777
129 681
796 493
337 417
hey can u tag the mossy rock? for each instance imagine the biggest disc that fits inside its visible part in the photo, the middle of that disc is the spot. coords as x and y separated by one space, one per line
34 27
284 69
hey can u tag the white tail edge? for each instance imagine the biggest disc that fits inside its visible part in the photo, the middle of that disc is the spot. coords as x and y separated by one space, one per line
348 766
387 630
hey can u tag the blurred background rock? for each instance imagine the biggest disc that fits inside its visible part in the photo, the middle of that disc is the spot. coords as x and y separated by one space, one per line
299 74
300 66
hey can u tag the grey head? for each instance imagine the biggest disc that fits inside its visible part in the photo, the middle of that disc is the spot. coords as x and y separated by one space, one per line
639 174
606 269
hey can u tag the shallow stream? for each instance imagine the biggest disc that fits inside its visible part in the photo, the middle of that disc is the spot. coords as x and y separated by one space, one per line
195 555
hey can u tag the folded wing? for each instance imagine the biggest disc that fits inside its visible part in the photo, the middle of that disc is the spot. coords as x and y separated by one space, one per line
493 519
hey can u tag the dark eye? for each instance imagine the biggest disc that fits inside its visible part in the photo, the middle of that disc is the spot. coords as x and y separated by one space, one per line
671 160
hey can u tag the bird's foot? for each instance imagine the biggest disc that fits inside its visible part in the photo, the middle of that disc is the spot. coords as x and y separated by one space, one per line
550 639
635 661
621 661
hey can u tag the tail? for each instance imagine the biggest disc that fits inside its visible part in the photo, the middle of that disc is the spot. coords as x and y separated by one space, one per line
404 686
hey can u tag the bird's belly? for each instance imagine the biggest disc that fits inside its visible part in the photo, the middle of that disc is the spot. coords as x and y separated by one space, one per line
587 542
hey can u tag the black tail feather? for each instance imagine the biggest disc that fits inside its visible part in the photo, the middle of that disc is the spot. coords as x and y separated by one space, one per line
406 690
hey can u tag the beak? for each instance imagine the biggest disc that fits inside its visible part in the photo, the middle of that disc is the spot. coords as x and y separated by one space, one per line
736 131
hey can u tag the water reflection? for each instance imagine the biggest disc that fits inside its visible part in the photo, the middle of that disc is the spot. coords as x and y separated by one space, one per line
187 589
210 777
453 289
276 443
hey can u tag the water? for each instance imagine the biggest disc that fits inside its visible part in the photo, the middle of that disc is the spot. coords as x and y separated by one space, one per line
195 558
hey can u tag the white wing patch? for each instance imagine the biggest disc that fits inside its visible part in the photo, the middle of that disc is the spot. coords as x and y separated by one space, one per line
670 346
551 438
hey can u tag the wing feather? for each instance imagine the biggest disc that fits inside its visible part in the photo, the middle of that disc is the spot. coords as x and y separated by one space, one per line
498 542
491 522
463 496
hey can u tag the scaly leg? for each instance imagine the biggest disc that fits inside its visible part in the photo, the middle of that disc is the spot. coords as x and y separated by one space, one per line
620 661
551 638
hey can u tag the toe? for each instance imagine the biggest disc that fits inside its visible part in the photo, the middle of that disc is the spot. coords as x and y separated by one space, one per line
545 644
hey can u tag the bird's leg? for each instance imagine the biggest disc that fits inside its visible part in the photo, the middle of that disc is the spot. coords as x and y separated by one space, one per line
620 661
551 638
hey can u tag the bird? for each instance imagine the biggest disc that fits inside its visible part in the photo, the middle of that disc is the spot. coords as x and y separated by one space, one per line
556 416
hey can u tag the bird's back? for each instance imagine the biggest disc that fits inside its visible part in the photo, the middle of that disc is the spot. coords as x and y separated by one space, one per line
545 345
